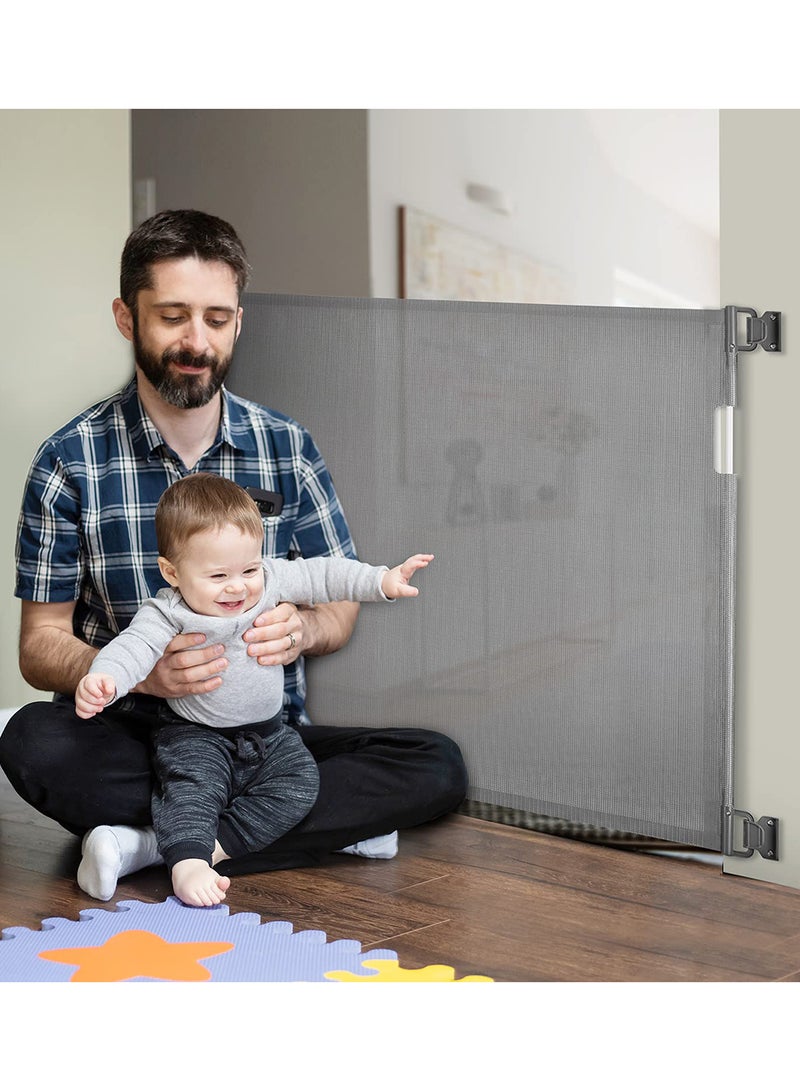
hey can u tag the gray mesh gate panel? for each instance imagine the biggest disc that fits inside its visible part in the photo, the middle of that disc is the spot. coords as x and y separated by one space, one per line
573 632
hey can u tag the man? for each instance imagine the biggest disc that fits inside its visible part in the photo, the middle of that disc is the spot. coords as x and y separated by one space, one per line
87 558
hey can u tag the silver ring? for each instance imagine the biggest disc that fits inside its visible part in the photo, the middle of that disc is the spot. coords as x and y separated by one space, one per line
292 641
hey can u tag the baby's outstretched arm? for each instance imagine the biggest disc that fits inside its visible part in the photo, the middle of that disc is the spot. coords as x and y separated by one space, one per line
395 583
94 692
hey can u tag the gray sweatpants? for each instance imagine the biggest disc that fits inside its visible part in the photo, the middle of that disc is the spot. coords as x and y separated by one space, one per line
244 787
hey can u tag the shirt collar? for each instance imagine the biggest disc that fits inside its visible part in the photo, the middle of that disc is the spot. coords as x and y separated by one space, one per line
235 428
144 436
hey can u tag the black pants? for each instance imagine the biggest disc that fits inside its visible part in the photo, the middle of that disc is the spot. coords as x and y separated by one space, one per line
86 773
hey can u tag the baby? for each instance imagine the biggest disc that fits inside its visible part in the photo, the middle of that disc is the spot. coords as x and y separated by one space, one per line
229 776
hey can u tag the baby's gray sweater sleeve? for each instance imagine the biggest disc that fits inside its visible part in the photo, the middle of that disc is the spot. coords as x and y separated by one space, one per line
130 657
327 579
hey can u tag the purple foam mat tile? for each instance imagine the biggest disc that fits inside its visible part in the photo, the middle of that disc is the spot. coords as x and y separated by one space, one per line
256 951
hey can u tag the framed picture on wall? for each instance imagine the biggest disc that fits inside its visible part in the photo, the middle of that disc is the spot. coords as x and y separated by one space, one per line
441 261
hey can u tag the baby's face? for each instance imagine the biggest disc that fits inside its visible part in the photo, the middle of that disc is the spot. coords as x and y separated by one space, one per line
219 572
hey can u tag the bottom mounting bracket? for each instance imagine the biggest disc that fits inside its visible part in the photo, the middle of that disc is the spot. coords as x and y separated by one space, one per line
757 836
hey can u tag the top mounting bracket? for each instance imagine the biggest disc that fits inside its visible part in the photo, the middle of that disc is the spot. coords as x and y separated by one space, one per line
760 332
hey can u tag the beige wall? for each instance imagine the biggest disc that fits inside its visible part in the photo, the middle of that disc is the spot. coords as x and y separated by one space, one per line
292 182
760 241
64 215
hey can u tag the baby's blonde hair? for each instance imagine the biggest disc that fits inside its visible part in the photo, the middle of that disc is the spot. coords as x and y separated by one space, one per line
203 502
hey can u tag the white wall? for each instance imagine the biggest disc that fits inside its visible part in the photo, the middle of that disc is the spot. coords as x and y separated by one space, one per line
64 216
573 209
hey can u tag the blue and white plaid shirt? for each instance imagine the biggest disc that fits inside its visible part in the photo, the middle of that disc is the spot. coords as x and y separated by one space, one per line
87 530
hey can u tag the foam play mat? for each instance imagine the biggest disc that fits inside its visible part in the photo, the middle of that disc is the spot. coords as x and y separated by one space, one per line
169 941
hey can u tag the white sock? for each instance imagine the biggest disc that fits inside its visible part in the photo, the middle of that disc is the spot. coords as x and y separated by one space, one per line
376 848
109 852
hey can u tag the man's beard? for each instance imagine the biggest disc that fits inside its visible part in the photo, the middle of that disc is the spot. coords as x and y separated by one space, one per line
177 388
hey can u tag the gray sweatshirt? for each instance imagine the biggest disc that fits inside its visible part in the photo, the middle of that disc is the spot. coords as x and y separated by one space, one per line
249 692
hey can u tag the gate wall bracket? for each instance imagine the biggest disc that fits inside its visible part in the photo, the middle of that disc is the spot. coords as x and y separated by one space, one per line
760 331
757 836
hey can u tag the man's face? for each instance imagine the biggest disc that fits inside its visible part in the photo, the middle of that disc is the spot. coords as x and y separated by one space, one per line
184 329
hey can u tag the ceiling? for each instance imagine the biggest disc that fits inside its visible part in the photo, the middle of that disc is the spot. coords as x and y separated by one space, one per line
672 155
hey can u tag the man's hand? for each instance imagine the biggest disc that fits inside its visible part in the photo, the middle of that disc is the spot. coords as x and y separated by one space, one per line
278 637
185 668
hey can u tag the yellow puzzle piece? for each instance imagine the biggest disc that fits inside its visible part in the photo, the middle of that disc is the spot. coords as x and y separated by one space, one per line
390 970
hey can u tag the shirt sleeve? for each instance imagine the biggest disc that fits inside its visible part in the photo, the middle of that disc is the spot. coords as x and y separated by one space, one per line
48 550
130 657
326 579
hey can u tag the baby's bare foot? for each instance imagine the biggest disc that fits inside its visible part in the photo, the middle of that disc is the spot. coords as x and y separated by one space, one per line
196 883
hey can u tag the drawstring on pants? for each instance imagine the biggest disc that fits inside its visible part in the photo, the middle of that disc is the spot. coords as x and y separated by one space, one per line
257 741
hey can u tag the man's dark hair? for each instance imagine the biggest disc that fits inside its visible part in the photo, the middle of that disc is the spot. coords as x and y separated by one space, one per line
181 233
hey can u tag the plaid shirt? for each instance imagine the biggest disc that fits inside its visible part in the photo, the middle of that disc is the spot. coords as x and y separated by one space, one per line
87 530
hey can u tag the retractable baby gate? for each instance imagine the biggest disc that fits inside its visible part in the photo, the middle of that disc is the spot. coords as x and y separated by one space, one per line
569 467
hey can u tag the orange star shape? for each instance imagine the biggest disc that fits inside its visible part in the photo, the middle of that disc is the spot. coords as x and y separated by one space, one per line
138 954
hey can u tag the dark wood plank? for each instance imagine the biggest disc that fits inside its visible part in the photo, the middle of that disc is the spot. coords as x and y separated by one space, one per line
518 931
629 878
29 897
315 898
388 876
47 851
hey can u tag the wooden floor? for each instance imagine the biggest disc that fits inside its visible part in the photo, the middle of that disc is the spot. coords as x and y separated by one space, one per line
484 898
